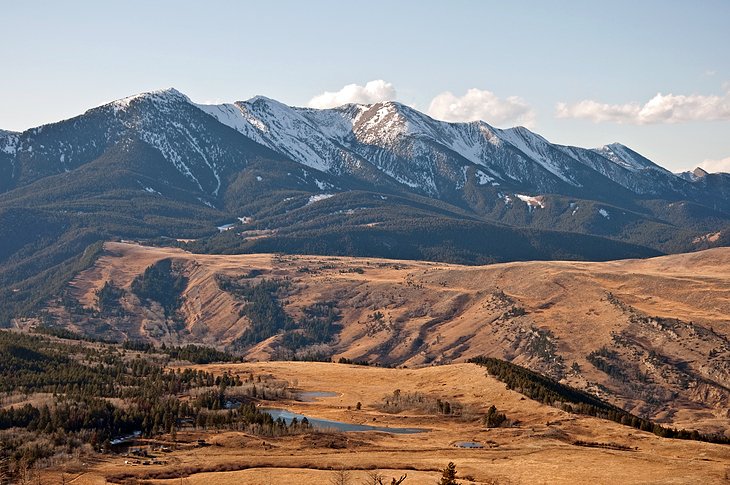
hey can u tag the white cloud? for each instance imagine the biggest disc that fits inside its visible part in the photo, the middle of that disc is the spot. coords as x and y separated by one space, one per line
669 108
373 92
722 165
479 104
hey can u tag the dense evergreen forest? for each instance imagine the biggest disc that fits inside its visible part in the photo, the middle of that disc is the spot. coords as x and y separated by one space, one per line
162 282
25 285
416 230
262 304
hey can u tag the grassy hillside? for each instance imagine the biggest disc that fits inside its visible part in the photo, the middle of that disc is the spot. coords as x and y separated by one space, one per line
633 332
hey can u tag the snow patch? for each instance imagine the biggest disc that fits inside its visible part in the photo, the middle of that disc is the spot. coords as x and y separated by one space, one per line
484 179
10 146
323 185
147 189
318 197
350 211
531 201
9 143
206 203
226 227
460 183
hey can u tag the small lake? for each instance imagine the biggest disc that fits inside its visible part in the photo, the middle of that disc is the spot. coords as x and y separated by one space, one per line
287 416
469 444
312 396
123 439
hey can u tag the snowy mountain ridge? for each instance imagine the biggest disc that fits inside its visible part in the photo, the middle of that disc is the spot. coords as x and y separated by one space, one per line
384 144
386 134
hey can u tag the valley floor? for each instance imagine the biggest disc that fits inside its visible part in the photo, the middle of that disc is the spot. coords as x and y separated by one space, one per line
541 447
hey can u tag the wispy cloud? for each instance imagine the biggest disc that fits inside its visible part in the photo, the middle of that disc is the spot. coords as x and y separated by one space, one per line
662 108
722 165
478 104
373 92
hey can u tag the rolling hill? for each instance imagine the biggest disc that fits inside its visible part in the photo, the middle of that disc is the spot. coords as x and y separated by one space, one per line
650 335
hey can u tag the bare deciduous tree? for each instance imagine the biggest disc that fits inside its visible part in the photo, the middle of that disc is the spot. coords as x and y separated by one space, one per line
375 478
340 477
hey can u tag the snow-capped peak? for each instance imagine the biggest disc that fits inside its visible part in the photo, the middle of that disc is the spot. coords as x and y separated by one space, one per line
527 134
9 142
626 157
385 122
280 127
159 96
262 99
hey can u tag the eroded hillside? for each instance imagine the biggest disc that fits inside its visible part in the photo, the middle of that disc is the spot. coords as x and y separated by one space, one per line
650 335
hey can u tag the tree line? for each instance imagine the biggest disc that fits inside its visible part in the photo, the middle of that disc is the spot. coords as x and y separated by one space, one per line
548 391
80 381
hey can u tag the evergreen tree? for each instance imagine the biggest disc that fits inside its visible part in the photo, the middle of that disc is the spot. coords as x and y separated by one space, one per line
448 476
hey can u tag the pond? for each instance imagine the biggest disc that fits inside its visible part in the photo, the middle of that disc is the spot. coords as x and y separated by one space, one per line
287 416
123 439
312 396
469 444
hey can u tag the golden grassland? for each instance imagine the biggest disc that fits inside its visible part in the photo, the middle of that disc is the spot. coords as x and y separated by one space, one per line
539 448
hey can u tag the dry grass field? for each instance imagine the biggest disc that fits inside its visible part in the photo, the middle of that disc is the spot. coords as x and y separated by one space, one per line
539 448
652 335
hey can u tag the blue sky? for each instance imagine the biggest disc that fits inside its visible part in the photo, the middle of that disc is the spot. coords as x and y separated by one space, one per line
577 72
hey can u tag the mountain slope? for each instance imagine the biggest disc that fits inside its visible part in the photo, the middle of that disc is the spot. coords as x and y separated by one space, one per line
204 153
496 174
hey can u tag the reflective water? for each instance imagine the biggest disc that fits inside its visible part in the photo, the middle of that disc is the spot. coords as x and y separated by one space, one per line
469 444
123 439
287 416
312 396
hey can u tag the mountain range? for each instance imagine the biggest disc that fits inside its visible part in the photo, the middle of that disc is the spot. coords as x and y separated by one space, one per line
360 180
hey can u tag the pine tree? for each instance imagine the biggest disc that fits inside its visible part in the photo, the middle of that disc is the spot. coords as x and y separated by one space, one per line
449 475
